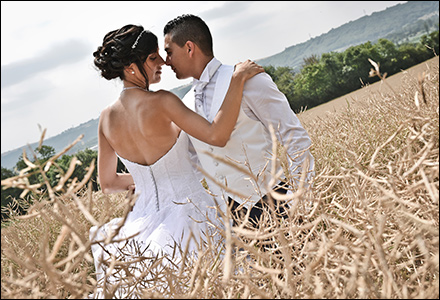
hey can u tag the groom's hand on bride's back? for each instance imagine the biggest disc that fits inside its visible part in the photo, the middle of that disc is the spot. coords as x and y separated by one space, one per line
131 190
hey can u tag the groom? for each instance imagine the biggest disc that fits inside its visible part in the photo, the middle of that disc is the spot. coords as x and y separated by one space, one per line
188 44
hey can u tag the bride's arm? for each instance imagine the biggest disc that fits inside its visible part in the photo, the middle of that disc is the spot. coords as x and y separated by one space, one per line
109 179
219 131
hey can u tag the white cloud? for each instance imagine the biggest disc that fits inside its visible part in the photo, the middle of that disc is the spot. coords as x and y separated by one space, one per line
62 54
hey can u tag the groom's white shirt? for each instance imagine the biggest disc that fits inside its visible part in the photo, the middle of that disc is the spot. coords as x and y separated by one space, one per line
263 104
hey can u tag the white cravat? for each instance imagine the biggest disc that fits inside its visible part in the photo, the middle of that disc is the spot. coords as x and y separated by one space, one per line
203 96
199 97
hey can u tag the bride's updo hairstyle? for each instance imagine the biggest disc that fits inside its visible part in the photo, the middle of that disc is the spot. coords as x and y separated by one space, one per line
122 47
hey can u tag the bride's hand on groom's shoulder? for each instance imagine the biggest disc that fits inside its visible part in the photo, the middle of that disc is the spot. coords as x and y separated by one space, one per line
247 69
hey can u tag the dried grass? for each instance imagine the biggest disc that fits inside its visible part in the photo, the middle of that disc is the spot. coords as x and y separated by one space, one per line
367 228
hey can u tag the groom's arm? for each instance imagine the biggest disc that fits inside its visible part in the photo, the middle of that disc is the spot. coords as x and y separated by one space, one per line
264 102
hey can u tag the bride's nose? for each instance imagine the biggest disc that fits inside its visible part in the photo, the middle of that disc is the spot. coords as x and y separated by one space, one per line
161 61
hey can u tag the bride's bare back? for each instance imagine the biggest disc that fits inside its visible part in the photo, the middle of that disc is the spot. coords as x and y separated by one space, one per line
137 128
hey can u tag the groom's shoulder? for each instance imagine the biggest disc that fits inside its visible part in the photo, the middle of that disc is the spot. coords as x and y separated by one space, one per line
224 67
260 80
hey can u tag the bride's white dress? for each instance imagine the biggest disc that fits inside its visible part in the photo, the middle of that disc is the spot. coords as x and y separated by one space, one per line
171 202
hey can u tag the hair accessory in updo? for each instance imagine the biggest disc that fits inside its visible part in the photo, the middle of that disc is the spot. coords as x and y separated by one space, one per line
119 51
137 40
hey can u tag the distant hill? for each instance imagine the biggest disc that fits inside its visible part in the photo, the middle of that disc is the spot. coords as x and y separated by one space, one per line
59 142
65 138
400 23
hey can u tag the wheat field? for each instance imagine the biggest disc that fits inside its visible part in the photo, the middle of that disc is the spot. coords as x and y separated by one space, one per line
367 227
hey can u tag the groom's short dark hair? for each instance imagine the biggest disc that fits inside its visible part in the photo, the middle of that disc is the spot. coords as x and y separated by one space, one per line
190 28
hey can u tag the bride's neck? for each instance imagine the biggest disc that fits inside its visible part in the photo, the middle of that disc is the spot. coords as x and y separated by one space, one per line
134 83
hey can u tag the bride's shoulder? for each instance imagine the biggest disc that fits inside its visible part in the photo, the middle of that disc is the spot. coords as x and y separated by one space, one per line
110 107
165 95
110 110
105 111
162 92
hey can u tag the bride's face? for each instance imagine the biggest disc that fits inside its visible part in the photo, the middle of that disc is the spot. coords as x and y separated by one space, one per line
153 66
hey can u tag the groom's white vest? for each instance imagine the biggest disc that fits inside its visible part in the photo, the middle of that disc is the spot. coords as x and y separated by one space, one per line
249 147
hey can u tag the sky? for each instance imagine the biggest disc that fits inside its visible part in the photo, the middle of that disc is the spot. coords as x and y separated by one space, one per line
48 80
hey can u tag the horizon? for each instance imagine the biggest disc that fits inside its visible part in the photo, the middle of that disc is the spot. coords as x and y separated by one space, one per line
39 84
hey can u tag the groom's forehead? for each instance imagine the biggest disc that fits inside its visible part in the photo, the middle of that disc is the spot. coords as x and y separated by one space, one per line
168 41
169 44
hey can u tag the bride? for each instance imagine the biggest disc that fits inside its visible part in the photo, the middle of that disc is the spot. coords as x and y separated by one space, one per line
147 131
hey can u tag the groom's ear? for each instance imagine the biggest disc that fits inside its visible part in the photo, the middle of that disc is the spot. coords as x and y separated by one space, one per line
190 46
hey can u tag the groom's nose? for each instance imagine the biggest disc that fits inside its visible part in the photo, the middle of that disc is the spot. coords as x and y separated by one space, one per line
167 61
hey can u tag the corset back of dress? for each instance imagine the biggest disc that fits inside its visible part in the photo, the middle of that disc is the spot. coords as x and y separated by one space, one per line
164 213
159 185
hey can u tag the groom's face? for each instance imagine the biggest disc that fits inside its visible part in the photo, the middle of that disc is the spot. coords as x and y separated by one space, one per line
177 58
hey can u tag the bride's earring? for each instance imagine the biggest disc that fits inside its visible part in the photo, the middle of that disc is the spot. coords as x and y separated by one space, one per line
132 72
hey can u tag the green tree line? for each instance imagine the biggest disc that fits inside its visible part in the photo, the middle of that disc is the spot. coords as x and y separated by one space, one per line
335 74
58 169
320 80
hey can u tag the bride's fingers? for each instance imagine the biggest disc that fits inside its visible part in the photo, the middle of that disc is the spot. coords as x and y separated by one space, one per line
249 66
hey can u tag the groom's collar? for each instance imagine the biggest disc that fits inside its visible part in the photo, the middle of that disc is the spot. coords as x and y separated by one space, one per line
208 72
